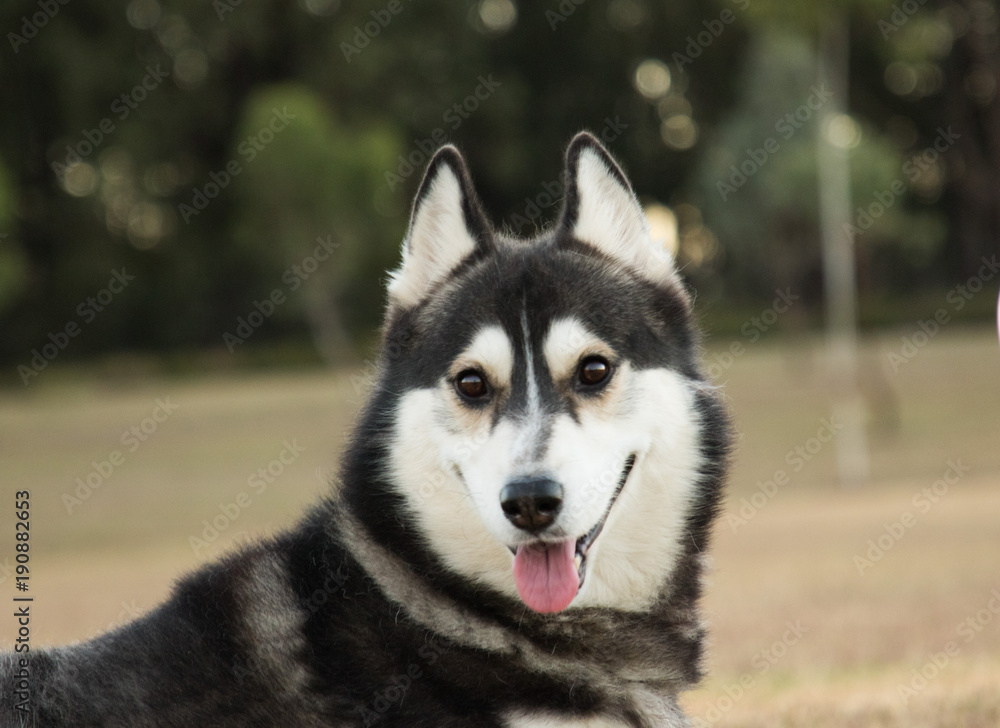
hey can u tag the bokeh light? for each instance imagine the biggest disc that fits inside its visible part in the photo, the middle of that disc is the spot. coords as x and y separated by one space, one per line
679 132
652 79
662 226
497 16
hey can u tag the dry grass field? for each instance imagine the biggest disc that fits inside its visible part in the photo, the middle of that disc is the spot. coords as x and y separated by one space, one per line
800 637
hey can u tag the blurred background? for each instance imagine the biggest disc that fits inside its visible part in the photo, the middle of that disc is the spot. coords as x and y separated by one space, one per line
199 201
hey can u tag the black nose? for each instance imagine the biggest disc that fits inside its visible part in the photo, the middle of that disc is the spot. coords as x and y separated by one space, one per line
531 504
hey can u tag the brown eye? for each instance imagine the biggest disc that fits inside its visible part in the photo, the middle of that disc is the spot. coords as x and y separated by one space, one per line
593 371
471 384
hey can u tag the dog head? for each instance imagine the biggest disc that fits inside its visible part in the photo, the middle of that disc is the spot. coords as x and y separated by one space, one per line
545 432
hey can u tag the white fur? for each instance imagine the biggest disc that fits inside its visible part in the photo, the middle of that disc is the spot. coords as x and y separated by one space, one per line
490 351
566 343
451 476
438 240
611 219
432 441
533 424
458 521
645 531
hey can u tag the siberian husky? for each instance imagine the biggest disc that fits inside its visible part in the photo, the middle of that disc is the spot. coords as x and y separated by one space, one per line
518 531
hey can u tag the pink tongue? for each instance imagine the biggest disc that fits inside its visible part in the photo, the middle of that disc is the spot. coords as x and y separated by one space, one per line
546 575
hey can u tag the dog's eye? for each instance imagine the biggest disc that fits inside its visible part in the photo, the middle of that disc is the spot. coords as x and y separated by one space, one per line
593 371
471 384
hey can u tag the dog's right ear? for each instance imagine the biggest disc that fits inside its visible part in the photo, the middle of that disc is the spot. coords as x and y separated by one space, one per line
447 226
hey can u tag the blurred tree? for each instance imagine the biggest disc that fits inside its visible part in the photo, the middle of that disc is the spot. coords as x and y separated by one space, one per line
739 179
303 212
118 119
128 118
912 78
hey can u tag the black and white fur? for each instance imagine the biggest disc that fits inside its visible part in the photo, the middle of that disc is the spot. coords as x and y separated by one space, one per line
393 602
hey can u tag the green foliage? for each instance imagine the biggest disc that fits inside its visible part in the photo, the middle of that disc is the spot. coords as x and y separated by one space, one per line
741 180
319 178
779 195
877 172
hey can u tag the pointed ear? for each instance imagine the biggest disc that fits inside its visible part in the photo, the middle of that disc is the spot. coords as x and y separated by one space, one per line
602 210
447 225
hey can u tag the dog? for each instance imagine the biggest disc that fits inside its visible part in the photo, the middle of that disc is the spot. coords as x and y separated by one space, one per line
518 533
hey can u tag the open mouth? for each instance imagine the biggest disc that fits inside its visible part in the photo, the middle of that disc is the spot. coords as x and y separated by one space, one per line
549 575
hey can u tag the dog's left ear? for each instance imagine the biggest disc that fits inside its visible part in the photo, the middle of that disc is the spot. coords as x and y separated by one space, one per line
447 226
601 210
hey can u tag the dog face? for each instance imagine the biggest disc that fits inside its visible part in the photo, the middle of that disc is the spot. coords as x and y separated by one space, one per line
546 439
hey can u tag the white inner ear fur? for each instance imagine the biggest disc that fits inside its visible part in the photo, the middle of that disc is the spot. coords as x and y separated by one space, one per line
438 240
611 219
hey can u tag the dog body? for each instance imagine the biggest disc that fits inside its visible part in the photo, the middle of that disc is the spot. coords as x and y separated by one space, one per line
518 532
